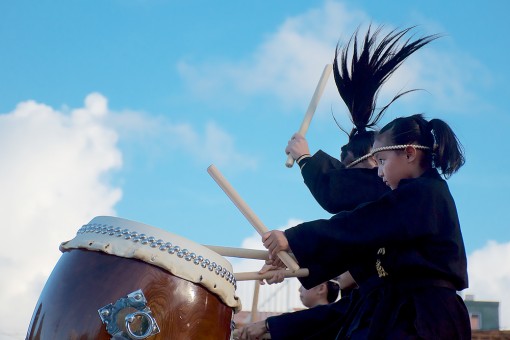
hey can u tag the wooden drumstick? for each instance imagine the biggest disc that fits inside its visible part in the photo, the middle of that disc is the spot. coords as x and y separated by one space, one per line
247 276
254 313
255 254
248 213
311 107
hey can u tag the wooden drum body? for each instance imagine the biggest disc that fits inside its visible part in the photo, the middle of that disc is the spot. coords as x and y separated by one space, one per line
138 281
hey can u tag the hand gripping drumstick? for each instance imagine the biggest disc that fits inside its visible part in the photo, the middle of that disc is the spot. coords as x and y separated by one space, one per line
311 107
248 213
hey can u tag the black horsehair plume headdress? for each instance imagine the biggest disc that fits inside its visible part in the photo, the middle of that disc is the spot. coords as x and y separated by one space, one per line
359 84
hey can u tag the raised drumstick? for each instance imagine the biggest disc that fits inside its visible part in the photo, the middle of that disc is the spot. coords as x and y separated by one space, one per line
247 212
311 107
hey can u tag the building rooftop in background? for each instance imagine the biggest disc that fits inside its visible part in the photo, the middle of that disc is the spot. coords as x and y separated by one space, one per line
484 315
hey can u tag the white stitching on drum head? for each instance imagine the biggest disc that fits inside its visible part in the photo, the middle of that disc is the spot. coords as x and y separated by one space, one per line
185 254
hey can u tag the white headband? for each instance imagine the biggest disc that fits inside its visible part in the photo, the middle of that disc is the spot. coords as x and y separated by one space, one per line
385 148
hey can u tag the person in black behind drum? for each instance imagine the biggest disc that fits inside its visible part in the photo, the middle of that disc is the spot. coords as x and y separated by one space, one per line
322 294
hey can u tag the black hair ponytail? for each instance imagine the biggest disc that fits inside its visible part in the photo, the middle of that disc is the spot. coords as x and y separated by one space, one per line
448 152
360 69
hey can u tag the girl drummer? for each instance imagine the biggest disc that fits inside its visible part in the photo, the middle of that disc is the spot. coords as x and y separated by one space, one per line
413 230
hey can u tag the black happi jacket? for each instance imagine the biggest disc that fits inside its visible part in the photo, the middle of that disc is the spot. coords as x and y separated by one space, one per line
336 189
420 260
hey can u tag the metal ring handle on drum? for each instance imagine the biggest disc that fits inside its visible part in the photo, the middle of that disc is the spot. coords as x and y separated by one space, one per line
129 319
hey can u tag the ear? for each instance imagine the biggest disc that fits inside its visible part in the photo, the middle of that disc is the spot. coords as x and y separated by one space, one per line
411 153
322 288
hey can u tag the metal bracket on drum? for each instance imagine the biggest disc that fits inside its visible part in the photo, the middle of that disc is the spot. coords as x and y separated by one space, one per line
129 318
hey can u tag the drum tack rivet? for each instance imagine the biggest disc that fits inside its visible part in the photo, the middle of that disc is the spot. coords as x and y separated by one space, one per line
144 239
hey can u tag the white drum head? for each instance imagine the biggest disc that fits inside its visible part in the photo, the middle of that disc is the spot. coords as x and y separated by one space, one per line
177 255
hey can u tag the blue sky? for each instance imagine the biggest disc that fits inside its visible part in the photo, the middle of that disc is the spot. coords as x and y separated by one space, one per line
118 107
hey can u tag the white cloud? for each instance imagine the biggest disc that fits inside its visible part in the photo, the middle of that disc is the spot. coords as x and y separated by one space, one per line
489 277
288 64
53 165
159 135
219 147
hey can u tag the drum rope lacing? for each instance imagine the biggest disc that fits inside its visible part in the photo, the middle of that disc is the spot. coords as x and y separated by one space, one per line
163 246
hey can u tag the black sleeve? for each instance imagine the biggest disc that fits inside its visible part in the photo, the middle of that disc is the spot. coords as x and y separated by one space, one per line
301 324
336 188
329 247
